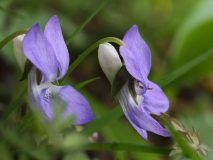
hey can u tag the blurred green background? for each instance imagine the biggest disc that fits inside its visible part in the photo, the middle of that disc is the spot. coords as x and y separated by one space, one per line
176 32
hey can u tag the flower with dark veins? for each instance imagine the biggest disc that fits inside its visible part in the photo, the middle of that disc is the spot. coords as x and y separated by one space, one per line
138 97
49 55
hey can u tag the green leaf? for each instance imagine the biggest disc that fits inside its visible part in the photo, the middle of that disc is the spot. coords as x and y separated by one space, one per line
193 39
127 147
82 84
85 23
120 79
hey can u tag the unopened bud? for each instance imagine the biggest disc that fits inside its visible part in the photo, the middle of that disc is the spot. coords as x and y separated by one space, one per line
18 52
109 60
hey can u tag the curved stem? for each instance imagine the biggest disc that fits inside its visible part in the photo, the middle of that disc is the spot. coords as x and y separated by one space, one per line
89 50
11 36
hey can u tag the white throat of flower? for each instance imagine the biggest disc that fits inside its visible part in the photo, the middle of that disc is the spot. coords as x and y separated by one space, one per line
125 96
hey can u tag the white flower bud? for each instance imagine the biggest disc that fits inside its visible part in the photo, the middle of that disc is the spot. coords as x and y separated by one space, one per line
109 60
18 52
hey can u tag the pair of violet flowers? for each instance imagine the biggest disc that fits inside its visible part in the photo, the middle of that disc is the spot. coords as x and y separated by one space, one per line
50 58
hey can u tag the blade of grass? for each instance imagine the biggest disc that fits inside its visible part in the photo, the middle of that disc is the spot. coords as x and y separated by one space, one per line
185 68
82 84
85 23
127 147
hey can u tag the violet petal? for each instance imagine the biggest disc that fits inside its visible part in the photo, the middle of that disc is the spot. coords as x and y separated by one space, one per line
139 48
54 35
39 51
155 101
34 91
133 68
137 116
75 104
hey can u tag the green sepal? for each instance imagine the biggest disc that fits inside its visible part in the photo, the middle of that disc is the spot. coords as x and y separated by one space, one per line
120 79
131 86
27 67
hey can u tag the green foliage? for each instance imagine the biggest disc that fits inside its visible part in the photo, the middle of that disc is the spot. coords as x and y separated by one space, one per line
46 141
189 66
193 39
15 104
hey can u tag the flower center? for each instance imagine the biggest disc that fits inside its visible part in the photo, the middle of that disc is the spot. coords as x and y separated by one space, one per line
47 95
138 87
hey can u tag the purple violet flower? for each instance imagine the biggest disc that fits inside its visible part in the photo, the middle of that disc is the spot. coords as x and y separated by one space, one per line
139 97
48 53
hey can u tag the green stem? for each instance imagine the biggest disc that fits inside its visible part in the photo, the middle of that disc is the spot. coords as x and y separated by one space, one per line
127 147
11 36
89 50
